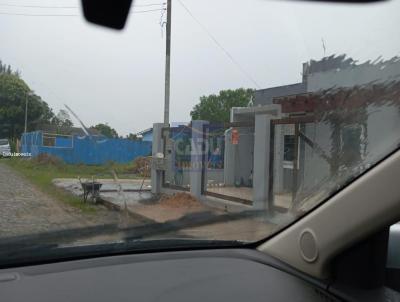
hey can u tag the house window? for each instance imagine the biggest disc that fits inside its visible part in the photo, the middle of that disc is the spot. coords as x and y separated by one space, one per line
288 147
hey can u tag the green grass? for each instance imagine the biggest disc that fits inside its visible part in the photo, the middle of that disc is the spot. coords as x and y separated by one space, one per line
41 175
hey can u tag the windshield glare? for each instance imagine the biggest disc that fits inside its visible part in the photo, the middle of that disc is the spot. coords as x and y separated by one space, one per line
261 116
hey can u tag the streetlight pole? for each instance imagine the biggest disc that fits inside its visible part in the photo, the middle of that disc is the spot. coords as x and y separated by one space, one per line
29 93
26 112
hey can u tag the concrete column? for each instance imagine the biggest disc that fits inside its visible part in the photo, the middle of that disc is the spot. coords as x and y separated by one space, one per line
261 162
199 158
157 147
278 158
229 160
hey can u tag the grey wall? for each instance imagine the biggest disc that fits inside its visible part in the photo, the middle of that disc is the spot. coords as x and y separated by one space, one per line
239 158
265 96
352 76
382 123
315 169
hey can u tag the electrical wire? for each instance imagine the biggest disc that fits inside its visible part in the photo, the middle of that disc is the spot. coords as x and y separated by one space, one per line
35 6
38 15
70 15
69 7
214 39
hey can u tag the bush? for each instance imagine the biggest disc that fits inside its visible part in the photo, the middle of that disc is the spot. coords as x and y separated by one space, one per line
140 166
48 160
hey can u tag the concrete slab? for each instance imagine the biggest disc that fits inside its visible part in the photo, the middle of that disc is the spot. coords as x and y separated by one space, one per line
110 190
280 200
149 207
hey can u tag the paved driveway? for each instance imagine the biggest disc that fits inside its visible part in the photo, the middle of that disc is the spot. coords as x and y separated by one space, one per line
24 209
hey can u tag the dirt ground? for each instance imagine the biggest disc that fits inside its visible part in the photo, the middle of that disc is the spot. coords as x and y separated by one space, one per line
25 210
171 207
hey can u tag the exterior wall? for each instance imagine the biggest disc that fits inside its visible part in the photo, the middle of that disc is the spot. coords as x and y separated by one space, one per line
316 170
380 121
354 75
381 135
381 138
86 150
148 136
238 166
265 96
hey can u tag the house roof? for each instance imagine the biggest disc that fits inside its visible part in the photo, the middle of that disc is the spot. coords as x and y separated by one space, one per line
146 131
265 96
66 130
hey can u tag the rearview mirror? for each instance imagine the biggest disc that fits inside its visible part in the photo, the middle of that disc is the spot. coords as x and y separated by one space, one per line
108 13
113 14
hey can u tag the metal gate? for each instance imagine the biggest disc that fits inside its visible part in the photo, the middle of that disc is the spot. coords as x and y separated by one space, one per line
177 152
228 161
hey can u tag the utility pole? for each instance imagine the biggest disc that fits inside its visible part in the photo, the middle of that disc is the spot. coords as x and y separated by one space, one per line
167 64
26 111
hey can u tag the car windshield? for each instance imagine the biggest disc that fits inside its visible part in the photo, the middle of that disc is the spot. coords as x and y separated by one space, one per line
200 123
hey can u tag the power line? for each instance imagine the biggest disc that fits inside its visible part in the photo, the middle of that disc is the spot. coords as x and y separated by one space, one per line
70 15
212 37
69 7
35 6
37 15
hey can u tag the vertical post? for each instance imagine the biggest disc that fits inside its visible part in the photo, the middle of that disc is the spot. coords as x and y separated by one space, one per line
157 147
199 154
271 167
26 112
295 161
262 149
167 64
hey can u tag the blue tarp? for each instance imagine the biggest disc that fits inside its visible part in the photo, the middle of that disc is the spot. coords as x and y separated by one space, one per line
93 150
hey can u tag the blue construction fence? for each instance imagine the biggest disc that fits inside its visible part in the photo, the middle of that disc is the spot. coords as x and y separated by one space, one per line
90 150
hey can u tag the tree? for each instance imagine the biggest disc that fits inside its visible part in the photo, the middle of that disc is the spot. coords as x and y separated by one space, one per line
216 108
6 69
132 137
106 130
14 93
62 119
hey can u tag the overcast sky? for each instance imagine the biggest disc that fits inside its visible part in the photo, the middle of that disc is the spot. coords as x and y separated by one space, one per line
118 77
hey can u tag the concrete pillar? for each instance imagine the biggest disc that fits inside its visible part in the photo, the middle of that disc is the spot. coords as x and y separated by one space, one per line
157 147
261 162
229 160
199 158
278 158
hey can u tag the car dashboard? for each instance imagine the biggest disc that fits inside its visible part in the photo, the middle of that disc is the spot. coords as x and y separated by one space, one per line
203 275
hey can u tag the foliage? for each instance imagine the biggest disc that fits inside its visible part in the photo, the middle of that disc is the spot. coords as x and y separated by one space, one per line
216 108
133 137
47 159
62 119
6 69
106 130
14 93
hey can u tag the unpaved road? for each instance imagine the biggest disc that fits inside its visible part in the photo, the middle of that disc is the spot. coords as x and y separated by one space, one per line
24 209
